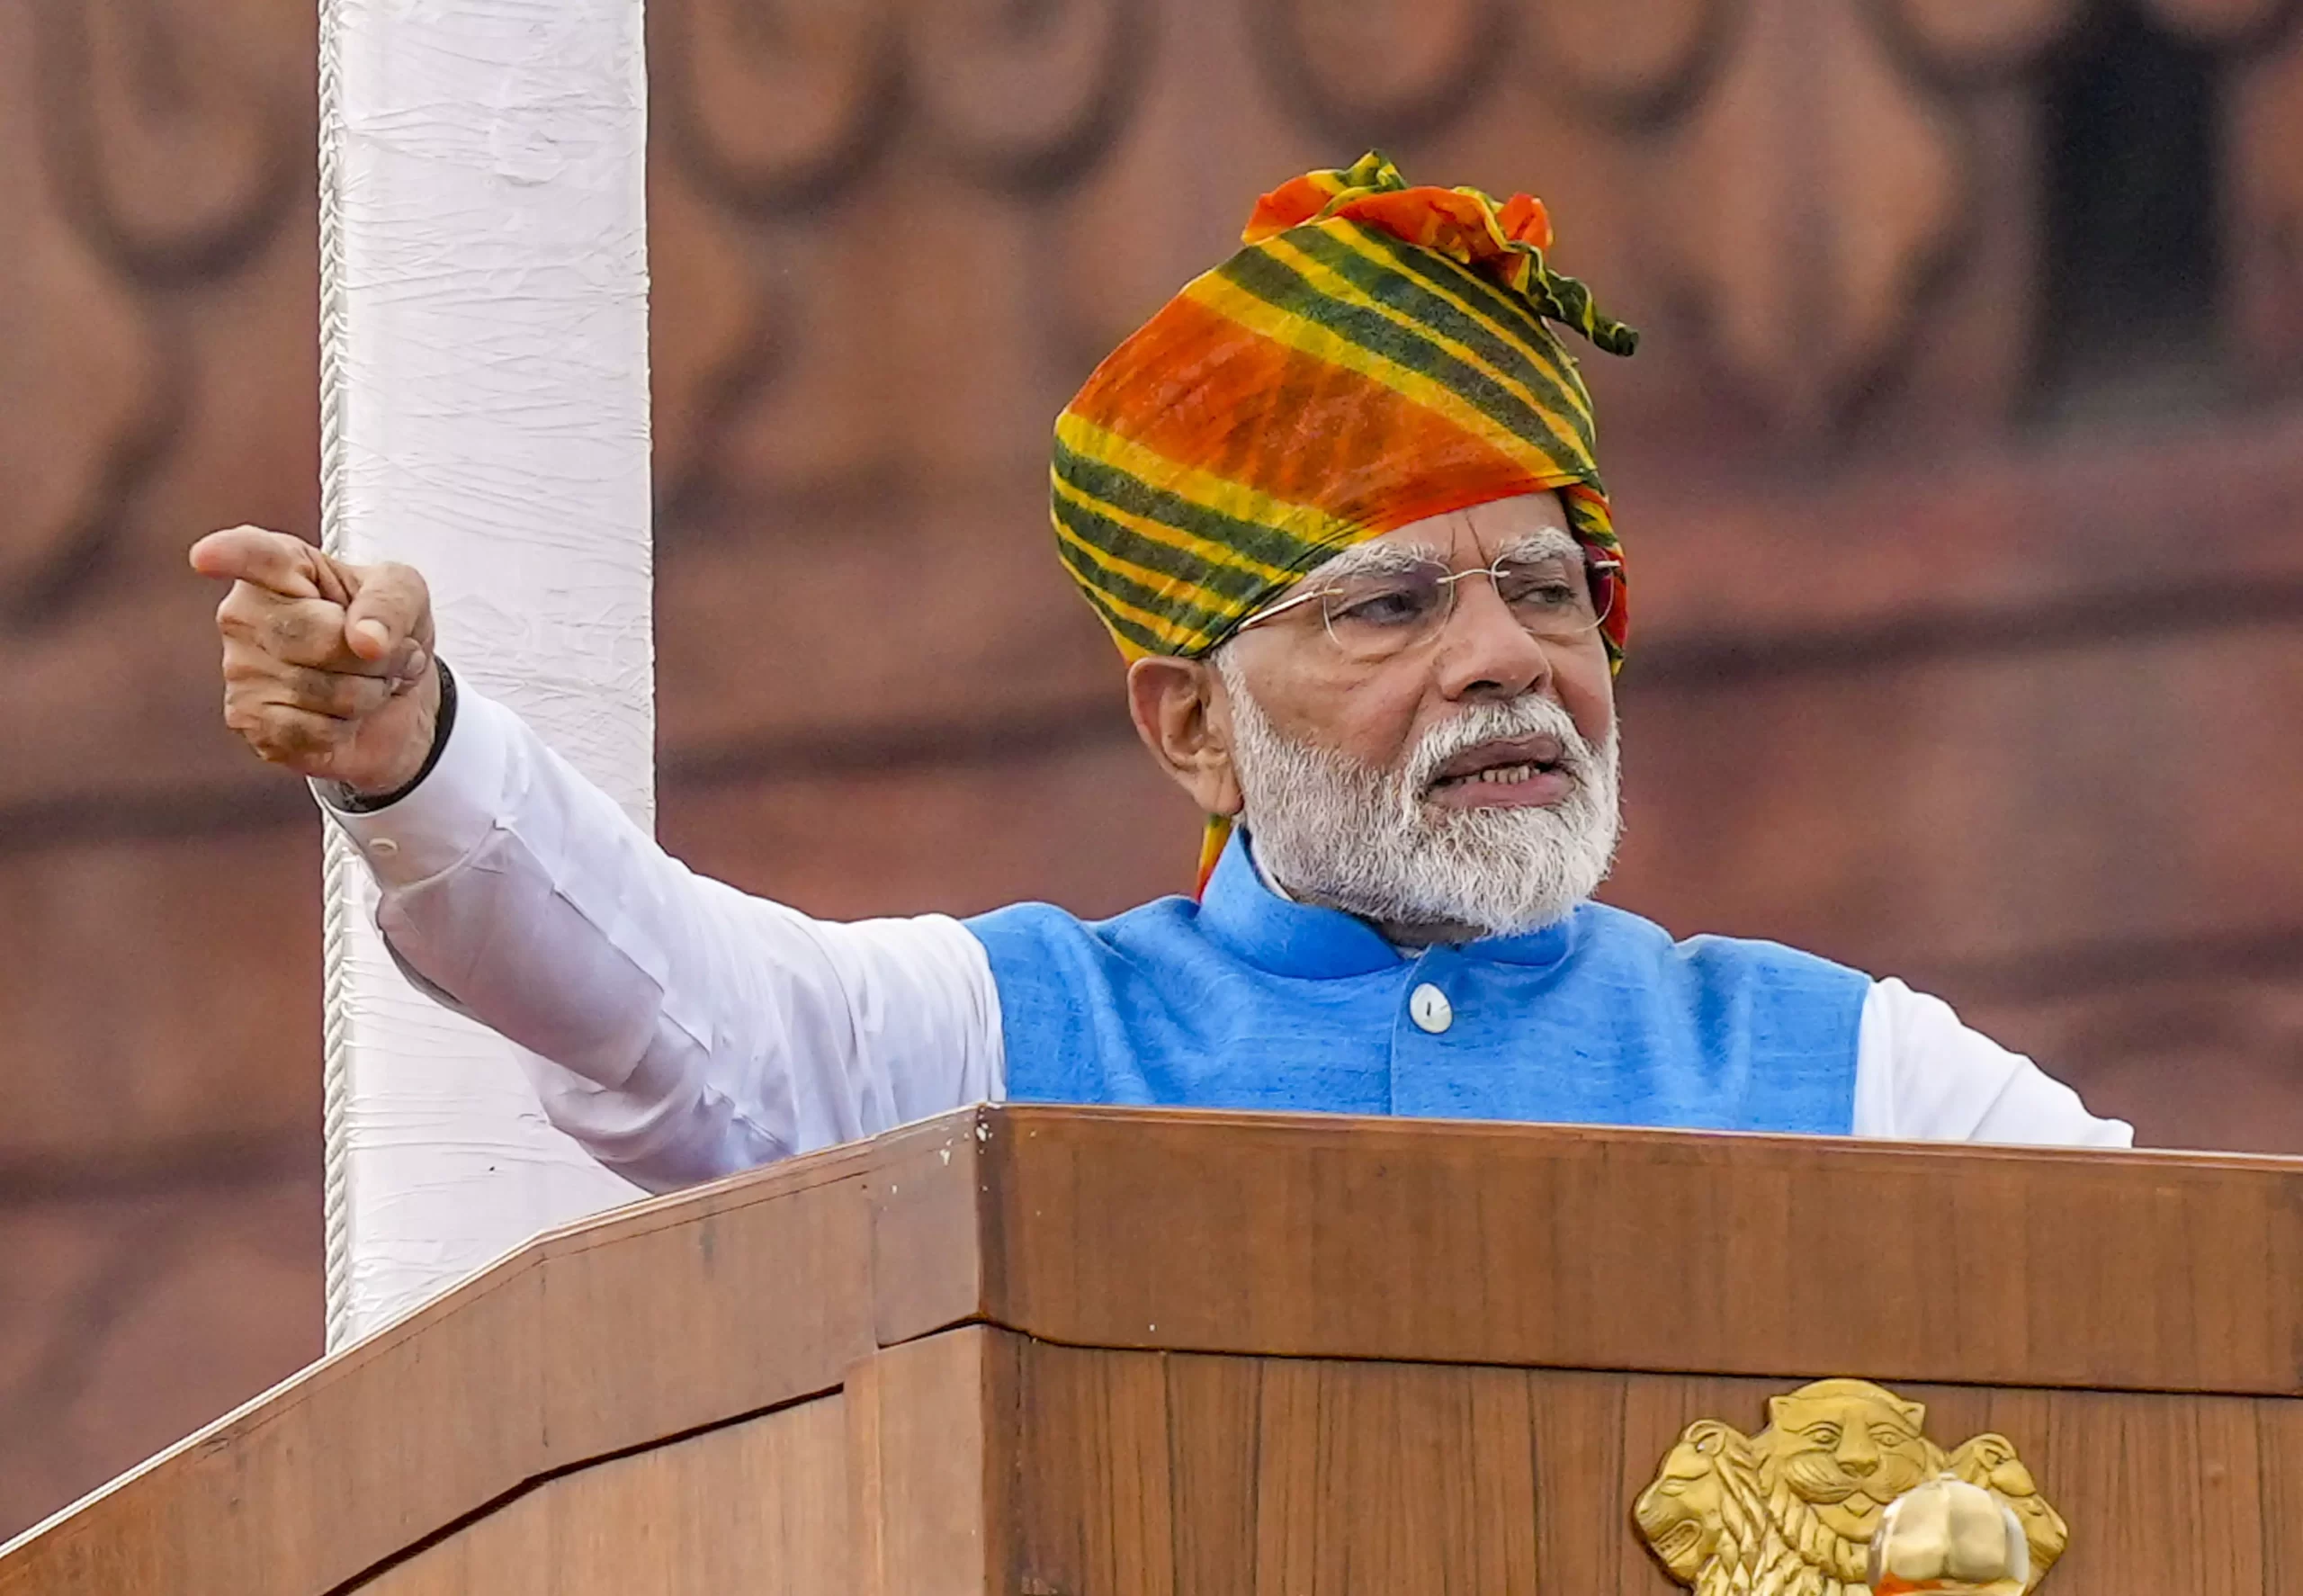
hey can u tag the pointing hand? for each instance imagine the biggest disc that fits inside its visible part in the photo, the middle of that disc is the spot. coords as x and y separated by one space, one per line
328 665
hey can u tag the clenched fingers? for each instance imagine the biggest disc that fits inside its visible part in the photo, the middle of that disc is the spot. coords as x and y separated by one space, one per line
306 632
261 677
301 739
296 631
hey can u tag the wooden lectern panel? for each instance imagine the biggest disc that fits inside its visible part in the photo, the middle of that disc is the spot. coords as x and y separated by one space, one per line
759 1506
1092 1352
979 1462
1167 1475
1085 1472
891 1486
1144 1471
1655 1250
616 1334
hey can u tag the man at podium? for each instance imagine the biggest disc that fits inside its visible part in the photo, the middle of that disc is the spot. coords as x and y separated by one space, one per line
1337 504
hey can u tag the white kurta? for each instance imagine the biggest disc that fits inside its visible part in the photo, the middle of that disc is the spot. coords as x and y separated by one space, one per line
682 1030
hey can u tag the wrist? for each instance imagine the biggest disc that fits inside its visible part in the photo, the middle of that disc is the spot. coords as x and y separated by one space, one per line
440 685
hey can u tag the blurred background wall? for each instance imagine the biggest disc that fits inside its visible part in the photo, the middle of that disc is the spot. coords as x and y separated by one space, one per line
1962 473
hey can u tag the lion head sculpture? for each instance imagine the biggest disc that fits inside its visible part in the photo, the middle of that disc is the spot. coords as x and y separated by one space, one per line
1683 1514
1791 1511
1839 1451
1990 1461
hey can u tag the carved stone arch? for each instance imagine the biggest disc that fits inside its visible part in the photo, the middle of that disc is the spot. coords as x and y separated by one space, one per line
693 484
45 572
165 160
2264 231
2229 27
1968 41
1382 72
1635 64
1814 198
1026 94
775 106
163 151
1976 41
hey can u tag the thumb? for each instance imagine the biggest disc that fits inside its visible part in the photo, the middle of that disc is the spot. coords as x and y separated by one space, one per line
390 618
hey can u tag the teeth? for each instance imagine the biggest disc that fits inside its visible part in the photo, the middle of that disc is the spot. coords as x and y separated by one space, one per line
1502 775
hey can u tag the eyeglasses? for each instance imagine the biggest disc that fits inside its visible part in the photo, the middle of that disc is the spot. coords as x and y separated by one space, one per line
1375 615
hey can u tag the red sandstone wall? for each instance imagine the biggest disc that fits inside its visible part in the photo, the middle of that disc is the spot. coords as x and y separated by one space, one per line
1938 670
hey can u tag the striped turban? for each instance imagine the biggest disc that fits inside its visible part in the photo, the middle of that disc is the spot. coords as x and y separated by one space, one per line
1375 354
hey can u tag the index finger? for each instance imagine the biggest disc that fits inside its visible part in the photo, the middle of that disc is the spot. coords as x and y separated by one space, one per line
275 562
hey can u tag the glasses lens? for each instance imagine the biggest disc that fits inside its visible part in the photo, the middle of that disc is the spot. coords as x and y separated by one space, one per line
1555 595
1380 613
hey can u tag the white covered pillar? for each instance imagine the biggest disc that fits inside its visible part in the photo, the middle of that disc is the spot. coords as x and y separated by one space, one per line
484 405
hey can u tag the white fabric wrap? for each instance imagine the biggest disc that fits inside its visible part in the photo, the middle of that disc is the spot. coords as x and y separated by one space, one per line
485 419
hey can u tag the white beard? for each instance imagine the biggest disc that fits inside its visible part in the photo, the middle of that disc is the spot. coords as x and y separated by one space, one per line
1332 830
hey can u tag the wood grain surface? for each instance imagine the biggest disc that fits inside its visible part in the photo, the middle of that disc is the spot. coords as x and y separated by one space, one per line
759 1507
931 1459
890 1487
1657 1251
979 1461
647 1324
1324 1478
1223 1337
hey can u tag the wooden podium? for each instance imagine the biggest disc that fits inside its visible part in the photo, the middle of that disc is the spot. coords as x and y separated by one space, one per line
1090 1352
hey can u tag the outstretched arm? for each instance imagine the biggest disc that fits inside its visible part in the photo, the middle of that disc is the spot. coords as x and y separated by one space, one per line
679 1028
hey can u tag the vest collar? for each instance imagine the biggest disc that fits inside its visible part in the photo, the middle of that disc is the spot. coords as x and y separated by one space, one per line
1306 941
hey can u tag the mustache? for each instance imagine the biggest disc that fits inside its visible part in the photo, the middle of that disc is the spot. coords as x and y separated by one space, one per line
1820 1478
1494 722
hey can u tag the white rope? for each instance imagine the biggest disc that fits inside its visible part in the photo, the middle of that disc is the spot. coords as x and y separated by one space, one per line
341 869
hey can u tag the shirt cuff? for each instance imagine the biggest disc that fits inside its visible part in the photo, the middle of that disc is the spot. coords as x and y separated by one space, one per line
443 820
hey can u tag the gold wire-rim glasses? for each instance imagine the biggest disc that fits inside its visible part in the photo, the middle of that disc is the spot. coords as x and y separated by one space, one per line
1389 609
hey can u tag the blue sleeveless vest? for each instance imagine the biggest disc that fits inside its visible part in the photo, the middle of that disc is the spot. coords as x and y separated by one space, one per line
1247 1000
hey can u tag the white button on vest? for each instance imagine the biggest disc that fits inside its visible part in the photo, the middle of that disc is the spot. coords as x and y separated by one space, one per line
1428 1006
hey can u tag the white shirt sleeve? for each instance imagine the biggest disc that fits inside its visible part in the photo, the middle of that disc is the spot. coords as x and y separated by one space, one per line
682 1030
1922 1076
678 1029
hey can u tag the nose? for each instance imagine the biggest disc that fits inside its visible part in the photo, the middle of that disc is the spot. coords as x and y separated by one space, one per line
1858 1454
1483 652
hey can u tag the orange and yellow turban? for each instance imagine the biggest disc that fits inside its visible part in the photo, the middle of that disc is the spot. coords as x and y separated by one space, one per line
1374 355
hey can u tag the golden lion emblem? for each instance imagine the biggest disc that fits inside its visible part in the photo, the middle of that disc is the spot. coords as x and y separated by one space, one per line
1791 1511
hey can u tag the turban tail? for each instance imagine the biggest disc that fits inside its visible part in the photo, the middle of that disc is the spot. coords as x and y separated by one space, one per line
1374 355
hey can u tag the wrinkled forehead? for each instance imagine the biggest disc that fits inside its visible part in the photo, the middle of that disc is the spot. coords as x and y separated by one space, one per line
1529 525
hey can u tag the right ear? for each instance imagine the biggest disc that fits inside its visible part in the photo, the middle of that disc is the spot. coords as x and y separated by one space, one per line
1184 717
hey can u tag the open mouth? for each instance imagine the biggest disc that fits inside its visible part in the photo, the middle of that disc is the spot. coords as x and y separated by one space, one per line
1489 771
1680 1541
